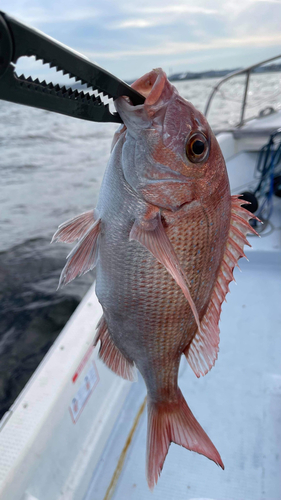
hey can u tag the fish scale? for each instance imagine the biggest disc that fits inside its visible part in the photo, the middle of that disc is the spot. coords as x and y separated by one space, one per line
155 324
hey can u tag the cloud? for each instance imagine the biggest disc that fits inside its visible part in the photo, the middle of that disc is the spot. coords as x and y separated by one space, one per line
261 17
180 48
131 37
176 9
133 23
36 12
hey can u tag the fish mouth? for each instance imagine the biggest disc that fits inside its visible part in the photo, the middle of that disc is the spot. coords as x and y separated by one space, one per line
156 89
151 85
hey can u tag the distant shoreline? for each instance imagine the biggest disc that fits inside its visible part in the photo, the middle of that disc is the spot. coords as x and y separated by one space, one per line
188 75
220 73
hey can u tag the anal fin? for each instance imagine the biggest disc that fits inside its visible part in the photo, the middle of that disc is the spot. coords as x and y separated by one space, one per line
202 352
111 356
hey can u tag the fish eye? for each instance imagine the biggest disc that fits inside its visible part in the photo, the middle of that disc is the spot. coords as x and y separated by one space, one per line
197 148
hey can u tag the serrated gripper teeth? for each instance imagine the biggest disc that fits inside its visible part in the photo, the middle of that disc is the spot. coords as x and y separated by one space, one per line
74 95
93 97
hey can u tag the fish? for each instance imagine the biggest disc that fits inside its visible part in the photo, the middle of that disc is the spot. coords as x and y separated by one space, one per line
164 238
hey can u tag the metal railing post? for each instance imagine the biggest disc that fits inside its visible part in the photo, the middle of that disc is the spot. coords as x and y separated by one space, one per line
245 99
246 71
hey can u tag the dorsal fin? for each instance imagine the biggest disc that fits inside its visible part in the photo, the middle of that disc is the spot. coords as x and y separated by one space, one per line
83 256
202 352
75 228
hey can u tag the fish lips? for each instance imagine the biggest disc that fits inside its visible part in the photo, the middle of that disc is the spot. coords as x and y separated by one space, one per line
157 90
134 117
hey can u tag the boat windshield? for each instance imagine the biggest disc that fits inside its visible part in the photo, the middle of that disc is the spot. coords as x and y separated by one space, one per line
246 94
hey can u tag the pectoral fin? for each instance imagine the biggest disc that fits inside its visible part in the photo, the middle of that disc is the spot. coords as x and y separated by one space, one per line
153 237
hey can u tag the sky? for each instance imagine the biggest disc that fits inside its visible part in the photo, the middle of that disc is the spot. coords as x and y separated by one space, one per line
129 38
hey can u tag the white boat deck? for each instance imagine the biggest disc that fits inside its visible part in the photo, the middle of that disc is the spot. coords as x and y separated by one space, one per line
238 402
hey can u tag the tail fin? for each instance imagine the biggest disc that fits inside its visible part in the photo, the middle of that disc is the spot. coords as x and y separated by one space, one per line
174 422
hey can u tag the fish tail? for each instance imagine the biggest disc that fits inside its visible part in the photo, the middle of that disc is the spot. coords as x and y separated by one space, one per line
174 422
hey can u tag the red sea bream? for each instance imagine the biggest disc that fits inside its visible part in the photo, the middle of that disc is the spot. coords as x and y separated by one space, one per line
165 237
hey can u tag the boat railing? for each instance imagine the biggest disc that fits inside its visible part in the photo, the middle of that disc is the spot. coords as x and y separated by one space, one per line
246 71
